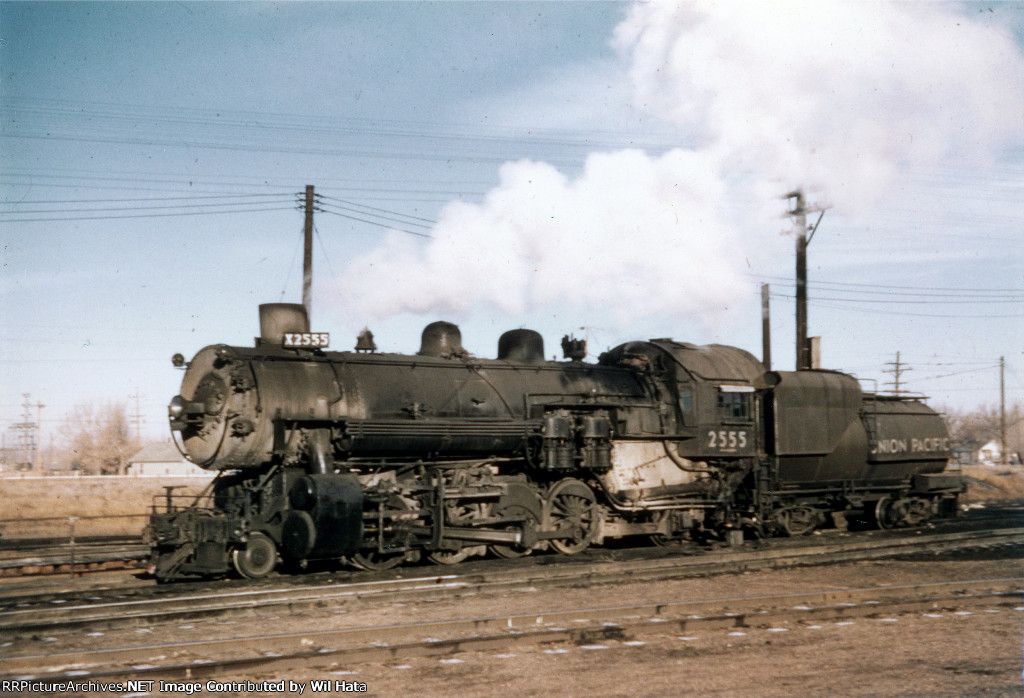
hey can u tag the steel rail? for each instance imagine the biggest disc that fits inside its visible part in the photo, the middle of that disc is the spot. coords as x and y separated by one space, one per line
30 618
380 643
73 559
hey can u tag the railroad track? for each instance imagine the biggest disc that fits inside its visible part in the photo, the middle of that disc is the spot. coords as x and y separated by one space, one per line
31 558
51 613
57 556
331 648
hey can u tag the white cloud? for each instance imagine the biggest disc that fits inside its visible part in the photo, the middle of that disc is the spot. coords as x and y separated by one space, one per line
838 96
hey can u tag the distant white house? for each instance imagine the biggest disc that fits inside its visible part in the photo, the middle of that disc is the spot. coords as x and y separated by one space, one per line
163 460
991 452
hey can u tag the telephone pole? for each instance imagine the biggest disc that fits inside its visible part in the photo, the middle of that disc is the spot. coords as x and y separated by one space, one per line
307 254
28 432
1002 410
137 418
898 369
766 328
39 433
798 210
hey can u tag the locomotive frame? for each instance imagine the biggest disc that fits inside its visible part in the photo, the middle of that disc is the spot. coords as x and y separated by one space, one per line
379 459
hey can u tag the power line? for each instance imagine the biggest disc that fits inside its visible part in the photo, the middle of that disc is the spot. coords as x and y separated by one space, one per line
395 216
844 287
853 304
964 372
945 300
378 224
145 215
91 114
382 210
136 200
133 208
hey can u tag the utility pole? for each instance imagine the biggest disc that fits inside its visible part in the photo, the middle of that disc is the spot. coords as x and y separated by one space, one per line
307 254
39 433
898 368
27 433
766 329
137 418
1002 410
798 210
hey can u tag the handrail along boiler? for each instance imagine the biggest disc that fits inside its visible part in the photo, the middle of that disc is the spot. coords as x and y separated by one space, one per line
380 458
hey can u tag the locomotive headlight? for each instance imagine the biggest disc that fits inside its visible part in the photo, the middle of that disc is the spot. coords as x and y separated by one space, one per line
176 413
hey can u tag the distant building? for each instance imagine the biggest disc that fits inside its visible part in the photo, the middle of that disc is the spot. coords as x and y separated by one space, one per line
991 453
163 460
963 453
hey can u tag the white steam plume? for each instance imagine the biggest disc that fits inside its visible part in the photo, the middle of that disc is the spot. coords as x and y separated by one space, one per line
631 234
837 98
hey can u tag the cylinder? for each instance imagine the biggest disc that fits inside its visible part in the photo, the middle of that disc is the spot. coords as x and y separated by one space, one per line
327 519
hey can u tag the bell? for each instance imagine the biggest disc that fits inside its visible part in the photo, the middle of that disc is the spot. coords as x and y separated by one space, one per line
364 342
574 349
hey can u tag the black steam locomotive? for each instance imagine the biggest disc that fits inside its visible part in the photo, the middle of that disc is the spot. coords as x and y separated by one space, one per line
378 459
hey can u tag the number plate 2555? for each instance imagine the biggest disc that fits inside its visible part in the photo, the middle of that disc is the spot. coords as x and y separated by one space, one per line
727 440
318 340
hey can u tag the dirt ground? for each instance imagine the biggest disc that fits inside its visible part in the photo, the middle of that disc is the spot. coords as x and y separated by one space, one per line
910 656
976 653
973 652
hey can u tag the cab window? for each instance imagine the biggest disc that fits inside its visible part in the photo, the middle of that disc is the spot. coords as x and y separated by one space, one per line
733 405
686 398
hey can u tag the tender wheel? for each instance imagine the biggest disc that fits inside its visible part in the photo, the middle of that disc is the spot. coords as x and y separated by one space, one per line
914 512
374 560
797 521
257 559
572 510
885 514
894 513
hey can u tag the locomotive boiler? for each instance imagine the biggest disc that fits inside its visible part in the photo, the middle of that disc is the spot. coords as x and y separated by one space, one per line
378 459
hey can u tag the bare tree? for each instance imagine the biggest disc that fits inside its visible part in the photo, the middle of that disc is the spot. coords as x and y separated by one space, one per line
974 428
98 441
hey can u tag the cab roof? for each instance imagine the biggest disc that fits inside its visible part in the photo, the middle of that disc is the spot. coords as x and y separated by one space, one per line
716 362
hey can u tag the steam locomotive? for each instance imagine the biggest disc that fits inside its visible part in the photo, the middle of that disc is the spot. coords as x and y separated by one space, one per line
379 459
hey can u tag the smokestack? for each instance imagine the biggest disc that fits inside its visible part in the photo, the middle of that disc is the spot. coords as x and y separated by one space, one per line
277 319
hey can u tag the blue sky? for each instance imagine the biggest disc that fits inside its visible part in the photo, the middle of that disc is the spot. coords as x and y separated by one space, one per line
599 168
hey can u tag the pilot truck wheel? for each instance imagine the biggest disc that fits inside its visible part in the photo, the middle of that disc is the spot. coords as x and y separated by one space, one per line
257 559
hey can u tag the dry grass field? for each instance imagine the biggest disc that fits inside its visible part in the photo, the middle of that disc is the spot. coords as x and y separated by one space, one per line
123 502
985 482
